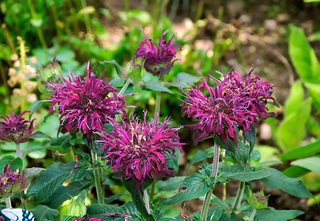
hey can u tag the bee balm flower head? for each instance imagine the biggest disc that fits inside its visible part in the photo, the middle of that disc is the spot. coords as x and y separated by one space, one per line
139 149
85 104
158 60
16 128
231 103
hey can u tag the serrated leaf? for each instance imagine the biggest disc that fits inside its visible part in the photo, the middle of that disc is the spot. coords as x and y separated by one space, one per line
16 164
52 178
98 210
250 136
276 215
301 152
154 86
242 153
64 193
173 161
43 212
63 141
4 161
242 173
310 163
293 186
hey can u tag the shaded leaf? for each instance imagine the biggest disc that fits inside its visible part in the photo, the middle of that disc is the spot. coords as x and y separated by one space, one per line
301 152
43 212
276 215
310 163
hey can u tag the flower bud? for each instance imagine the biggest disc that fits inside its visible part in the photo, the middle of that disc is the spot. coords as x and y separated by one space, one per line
258 200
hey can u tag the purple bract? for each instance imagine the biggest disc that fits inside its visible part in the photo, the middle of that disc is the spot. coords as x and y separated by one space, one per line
85 104
11 182
158 59
16 128
231 103
141 149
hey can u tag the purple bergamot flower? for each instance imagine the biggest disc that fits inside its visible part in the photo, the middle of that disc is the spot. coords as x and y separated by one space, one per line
158 60
11 182
140 149
231 103
85 104
16 128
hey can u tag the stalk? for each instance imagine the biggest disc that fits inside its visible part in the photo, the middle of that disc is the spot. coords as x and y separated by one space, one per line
206 203
22 64
86 17
97 179
8 38
158 105
124 88
146 199
224 185
40 34
8 202
74 19
5 82
55 17
19 153
239 196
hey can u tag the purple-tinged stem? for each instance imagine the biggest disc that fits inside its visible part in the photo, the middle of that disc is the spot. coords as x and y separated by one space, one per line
18 150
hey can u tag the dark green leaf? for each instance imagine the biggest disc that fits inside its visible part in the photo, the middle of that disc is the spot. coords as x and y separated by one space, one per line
250 136
201 155
242 152
170 184
112 198
242 173
276 215
173 161
43 212
99 211
64 193
292 186
16 164
117 82
63 141
52 178
4 161
183 79
295 171
32 149
33 107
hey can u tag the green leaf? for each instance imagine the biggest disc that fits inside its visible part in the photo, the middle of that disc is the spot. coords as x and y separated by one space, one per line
16 164
201 155
30 173
64 193
292 129
33 149
303 56
293 186
170 184
314 92
311 163
295 171
183 79
137 197
242 153
4 161
314 36
313 126
33 107
63 142
98 210
250 136
120 71
142 16
242 173
65 54
43 212
173 161
52 178
87 10
294 101
276 215
154 86
40 134
270 162
197 186
301 152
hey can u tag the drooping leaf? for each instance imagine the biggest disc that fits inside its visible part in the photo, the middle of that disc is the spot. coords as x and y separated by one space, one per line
242 153
120 71
52 178
16 164
293 186
170 184
173 161
39 134
201 155
98 210
154 86
242 173
183 79
295 171
250 136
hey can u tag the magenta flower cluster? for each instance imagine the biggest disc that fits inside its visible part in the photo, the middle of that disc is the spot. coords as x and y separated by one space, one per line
158 59
16 128
11 182
140 149
85 104
231 103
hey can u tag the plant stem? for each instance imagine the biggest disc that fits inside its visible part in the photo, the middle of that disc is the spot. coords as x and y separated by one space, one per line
55 17
86 17
74 19
206 203
124 88
158 105
146 200
22 64
238 199
5 82
8 38
19 153
97 179
224 185
252 214
8 202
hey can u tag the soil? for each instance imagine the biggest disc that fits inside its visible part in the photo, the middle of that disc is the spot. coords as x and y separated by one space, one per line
264 26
